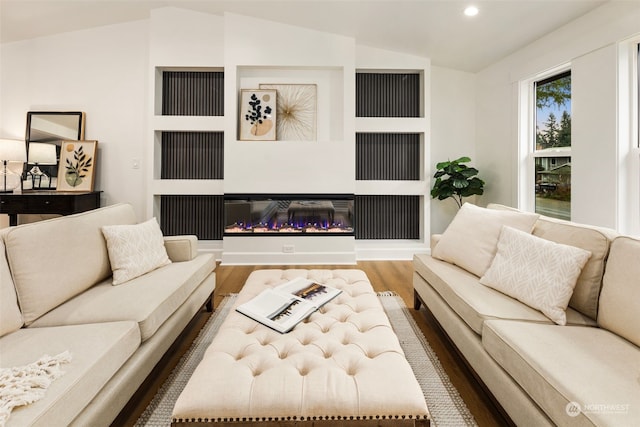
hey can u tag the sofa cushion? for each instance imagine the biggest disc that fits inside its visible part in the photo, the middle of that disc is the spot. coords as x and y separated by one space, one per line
567 368
10 316
54 260
181 248
134 249
593 239
619 311
471 239
148 300
97 351
475 303
538 272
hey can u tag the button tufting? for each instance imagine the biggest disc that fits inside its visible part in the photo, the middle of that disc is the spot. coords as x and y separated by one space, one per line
356 341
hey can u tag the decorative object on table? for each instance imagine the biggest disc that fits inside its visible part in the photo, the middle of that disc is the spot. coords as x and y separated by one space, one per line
52 127
258 115
456 180
11 150
77 168
41 154
55 126
282 307
296 106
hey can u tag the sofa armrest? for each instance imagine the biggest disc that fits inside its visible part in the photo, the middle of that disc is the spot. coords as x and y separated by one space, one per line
435 238
181 248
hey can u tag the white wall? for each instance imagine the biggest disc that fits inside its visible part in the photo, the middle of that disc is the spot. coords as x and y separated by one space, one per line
275 53
101 71
453 128
589 43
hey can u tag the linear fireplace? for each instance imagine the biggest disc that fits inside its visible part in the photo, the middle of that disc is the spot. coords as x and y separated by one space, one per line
288 214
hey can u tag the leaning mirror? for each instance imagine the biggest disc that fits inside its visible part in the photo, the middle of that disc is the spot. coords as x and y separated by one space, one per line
45 132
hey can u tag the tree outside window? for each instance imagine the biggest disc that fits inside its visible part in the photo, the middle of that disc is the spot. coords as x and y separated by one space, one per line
553 146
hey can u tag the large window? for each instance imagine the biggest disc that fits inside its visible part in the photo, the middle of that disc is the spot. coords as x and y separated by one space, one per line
552 150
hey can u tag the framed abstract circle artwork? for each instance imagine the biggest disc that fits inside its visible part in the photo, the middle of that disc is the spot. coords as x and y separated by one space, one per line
296 105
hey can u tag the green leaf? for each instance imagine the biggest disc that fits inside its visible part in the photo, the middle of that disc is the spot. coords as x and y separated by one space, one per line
469 172
463 160
460 183
442 165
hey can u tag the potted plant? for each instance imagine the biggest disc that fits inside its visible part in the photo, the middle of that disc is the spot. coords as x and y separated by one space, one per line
456 180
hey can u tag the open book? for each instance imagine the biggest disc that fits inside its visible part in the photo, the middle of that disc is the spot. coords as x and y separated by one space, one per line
283 307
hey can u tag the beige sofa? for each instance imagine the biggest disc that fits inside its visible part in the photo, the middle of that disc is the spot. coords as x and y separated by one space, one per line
57 296
584 373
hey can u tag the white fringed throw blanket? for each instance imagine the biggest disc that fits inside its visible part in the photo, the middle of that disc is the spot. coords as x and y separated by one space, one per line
26 384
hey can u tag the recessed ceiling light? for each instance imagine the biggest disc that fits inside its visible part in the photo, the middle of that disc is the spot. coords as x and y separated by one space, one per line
471 11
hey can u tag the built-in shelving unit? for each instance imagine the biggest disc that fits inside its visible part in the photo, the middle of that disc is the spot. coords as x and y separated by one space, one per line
390 136
189 151
370 142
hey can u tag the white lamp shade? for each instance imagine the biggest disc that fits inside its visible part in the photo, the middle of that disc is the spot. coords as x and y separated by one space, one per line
42 154
12 150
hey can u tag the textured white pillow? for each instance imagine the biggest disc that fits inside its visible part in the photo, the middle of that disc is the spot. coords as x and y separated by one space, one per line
470 240
535 271
135 249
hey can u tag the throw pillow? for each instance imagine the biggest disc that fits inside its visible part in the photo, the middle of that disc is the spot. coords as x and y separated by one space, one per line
135 249
470 240
535 271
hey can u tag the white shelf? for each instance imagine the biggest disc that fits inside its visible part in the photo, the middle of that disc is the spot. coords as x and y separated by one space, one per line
187 186
188 123
391 124
419 188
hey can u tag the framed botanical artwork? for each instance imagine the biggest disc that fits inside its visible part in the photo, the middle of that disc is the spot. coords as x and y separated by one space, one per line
77 168
257 115
296 106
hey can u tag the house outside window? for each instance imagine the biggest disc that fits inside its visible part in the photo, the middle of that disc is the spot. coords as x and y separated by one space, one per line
552 150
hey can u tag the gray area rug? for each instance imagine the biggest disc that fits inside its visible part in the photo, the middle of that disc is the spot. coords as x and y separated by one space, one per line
444 402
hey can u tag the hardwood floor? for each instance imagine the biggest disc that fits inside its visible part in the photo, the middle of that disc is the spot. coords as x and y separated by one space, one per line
394 276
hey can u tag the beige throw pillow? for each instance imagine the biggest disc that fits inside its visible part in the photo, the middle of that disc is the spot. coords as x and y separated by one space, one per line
470 240
535 271
135 249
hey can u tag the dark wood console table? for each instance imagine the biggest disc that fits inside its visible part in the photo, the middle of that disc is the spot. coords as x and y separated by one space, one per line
47 202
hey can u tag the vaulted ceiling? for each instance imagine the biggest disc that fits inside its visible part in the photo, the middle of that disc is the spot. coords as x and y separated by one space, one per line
432 28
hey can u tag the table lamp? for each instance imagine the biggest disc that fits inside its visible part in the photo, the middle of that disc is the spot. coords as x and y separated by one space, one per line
41 154
11 150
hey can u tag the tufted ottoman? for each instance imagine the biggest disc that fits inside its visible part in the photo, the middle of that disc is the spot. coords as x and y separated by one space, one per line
343 366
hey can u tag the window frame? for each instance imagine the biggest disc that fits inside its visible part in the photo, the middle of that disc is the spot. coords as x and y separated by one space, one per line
527 153
628 192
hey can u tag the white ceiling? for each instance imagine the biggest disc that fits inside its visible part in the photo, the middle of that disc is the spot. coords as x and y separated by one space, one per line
432 28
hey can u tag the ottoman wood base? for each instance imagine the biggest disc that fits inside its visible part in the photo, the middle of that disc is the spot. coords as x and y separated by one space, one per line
343 366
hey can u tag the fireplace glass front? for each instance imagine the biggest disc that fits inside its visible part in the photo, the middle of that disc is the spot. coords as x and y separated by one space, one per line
297 214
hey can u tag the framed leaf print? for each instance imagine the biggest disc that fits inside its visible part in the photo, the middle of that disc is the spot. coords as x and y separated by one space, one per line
77 167
258 115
